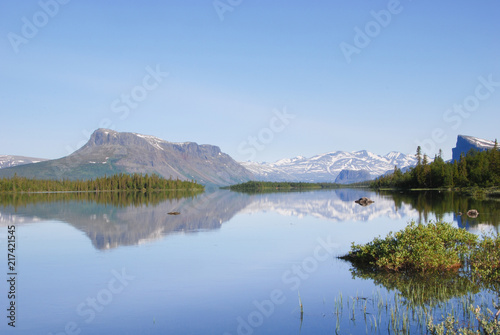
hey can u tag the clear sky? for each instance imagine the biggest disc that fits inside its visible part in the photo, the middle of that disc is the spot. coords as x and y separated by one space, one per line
264 80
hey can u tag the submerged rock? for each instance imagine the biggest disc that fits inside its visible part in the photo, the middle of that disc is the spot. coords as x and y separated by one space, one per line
472 213
364 201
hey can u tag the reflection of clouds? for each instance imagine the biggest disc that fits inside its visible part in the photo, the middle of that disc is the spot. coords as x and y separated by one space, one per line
328 205
477 225
482 228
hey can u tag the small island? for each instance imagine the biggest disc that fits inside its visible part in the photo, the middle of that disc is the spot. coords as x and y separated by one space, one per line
267 186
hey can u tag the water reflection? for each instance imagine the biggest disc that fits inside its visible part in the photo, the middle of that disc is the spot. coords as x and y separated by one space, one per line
436 204
421 289
118 219
334 205
127 219
118 199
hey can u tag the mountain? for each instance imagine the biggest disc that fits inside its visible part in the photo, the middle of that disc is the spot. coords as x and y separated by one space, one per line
466 143
327 167
10 160
109 152
352 176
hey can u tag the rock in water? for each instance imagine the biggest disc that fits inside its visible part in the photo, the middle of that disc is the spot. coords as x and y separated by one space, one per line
364 201
173 213
472 213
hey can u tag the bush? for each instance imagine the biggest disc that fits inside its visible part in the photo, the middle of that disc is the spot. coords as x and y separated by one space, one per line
485 259
433 247
441 248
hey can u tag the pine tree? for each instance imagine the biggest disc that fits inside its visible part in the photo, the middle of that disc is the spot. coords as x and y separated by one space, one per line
419 155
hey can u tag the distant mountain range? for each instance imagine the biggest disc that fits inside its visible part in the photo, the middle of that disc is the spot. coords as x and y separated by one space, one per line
10 161
340 167
108 152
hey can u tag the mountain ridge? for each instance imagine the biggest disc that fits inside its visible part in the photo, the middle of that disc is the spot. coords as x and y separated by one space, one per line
328 166
109 152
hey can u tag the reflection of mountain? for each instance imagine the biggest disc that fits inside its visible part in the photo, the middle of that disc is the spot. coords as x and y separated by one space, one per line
111 226
130 219
337 205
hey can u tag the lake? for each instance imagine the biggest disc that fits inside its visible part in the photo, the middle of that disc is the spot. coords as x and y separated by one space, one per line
229 263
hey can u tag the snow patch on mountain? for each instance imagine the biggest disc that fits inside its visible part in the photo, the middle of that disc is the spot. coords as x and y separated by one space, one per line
466 143
326 167
11 160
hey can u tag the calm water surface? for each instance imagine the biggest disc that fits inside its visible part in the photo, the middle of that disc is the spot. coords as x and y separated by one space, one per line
229 263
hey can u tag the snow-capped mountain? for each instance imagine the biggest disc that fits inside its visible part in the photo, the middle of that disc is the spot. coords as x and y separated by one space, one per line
11 160
326 167
465 143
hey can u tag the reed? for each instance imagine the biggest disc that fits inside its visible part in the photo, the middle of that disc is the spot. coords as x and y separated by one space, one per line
400 315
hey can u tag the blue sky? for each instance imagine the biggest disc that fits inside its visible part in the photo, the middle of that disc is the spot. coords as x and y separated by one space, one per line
263 80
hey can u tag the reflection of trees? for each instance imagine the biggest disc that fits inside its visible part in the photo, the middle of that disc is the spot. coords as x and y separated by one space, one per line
115 198
421 289
439 203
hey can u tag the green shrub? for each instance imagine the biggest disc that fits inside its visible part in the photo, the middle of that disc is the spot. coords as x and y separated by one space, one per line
485 259
443 249
436 246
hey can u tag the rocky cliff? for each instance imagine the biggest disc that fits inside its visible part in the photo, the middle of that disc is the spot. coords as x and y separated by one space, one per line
466 143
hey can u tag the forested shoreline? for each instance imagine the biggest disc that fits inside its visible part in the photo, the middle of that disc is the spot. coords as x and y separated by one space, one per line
118 182
475 169
260 186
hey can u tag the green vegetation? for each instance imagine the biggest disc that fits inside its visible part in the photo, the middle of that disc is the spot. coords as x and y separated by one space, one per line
434 267
117 182
263 186
476 169
395 314
417 248
434 247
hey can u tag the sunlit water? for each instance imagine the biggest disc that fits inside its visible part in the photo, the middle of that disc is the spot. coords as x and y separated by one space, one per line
230 263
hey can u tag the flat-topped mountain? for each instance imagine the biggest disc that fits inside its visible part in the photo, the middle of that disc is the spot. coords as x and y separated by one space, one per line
109 152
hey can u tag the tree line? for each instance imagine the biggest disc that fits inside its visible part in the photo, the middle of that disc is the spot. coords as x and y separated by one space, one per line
474 169
117 182
259 186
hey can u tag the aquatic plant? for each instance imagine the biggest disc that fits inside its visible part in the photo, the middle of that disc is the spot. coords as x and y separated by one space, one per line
431 265
436 246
